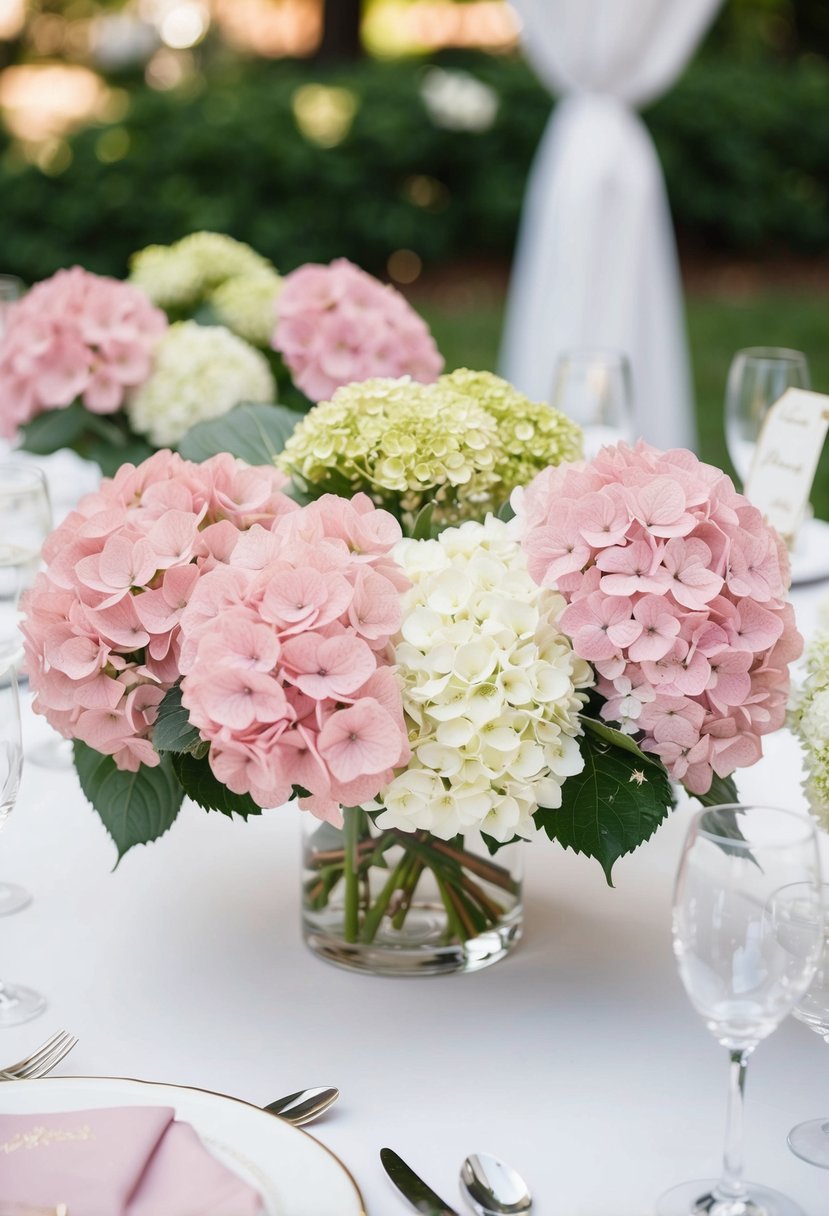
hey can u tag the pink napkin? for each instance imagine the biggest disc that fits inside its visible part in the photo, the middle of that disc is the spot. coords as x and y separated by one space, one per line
125 1161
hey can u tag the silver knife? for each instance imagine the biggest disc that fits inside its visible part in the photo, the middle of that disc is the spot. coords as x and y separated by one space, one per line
422 1198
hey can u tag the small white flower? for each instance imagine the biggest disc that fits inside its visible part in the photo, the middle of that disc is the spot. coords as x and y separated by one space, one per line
809 718
458 101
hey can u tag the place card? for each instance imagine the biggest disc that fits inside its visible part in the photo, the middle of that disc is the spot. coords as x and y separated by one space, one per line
786 458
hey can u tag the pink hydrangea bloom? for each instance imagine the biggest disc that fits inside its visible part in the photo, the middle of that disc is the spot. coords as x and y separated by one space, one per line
676 592
285 658
337 325
75 335
103 622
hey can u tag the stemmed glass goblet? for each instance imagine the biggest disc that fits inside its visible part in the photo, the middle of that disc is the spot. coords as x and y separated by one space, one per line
594 388
746 954
25 522
810 1140
17 1004
758 376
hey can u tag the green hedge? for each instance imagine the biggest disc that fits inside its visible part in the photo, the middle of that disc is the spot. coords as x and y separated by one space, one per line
744 151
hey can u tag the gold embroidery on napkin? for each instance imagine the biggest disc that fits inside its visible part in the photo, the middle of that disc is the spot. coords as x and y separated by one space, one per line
42 1137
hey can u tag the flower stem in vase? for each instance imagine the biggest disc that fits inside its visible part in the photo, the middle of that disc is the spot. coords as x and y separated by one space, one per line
405 893
352 824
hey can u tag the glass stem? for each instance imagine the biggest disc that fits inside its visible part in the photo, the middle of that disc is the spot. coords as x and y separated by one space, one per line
731 1185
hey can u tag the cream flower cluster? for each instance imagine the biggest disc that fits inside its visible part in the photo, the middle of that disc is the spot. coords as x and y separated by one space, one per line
200 372
181 276
246 304
809 718
491 689
462 443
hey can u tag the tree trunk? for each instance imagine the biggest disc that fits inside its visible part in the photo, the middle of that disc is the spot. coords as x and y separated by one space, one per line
340 30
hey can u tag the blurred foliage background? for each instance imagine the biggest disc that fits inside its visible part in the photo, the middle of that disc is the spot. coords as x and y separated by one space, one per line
399 133
320 127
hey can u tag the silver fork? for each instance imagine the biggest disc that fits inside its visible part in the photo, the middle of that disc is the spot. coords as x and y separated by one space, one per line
47 1057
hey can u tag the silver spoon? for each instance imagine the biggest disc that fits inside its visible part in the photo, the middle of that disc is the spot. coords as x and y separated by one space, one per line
303 1107
492 1188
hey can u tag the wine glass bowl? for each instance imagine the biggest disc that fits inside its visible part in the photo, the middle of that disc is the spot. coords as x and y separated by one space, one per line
748 933
758 376
810 1140
25 522
17 1004
594 388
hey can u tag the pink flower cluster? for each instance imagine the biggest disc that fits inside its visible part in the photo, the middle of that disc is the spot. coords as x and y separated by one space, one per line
676 593
102 627
285 654
338 325
75 335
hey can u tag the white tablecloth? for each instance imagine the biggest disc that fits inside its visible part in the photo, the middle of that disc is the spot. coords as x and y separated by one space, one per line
578 1059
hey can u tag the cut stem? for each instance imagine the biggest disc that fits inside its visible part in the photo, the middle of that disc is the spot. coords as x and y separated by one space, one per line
351 909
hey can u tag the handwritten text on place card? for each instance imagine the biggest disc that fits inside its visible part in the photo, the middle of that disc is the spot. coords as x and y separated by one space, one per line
786 458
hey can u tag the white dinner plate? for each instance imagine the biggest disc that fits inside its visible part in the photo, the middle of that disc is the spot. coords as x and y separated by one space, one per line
294 1173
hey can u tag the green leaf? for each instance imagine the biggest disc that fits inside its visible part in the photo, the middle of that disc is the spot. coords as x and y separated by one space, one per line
199 783
255 433
722 792
135 807
110 457
506 512
422 526
618 738
55 429
612 806
172 731
494 846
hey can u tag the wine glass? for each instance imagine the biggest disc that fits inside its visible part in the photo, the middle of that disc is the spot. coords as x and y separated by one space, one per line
758 377
25 522
810 1140
17 1004
594 388
746 954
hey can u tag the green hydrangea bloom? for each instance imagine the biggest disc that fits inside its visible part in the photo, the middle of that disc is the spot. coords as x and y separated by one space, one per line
247 305
533 435
462 443
181 276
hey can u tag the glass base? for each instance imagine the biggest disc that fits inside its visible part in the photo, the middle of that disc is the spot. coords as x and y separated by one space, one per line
18 1004
701 1199
810 1142
13 898
420 950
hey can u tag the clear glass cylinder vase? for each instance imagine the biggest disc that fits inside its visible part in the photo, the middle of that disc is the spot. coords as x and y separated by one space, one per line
401 903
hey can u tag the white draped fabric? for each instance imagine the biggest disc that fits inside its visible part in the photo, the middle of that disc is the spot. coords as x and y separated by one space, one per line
596 262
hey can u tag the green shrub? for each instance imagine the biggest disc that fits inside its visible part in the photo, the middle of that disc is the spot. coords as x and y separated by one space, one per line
743 149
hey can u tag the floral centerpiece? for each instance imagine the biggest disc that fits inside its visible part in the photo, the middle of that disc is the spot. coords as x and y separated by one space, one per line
204 327
431 700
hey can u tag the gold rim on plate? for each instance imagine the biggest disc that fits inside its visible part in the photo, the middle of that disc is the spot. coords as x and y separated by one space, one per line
214 1093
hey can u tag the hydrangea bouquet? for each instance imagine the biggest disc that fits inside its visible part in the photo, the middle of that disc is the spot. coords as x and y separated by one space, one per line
418 671
203 328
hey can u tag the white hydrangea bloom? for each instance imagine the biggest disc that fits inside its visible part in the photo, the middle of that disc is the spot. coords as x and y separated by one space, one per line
246 304
809 718
199 372
491 689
